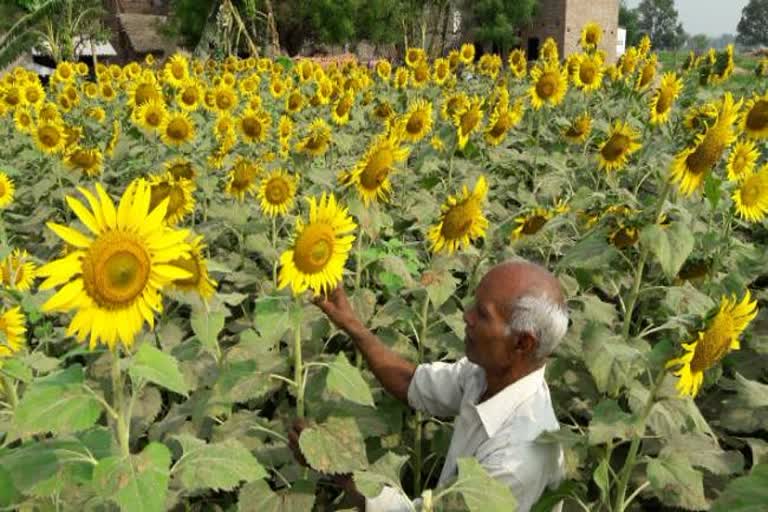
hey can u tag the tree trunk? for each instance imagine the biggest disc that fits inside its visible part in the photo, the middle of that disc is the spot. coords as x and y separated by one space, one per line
446 20
274 35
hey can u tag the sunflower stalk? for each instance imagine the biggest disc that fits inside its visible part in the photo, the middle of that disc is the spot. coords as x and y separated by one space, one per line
122 422
298 369
274 248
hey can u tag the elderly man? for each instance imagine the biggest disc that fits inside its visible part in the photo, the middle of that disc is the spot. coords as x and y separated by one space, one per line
497 392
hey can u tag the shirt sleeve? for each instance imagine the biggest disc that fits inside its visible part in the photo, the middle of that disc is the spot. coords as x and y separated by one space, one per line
391 500
437 388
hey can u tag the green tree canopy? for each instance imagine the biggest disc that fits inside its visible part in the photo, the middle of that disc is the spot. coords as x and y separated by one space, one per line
629 19
498 21
658 19
753 26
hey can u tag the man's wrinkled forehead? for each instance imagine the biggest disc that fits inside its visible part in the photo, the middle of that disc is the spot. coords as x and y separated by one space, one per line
501 286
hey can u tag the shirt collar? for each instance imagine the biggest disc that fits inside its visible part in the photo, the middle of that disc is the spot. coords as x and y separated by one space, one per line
495 411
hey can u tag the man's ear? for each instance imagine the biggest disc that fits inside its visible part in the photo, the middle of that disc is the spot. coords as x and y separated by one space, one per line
527 343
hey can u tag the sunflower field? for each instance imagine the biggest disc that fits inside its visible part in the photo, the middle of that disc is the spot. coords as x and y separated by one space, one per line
163 226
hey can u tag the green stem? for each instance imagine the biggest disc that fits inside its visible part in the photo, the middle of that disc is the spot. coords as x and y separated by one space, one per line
629 464
10 391
359 260
274 247
298 370
450 164
122 423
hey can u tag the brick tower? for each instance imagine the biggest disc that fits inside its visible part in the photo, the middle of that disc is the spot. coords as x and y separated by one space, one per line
563 19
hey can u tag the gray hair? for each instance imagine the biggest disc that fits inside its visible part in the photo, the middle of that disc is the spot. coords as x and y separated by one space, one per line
541 317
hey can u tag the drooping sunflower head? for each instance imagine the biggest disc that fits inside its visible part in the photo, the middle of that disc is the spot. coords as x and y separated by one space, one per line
531 223
591 34
664 98
549 51
277 192
178 192
417 122
113 274
177 129
194 264
579 129
502 120
441 71
742 160
468 120
317 140
622 141
628 61
12 328
320 248
371 174
751 197
420 75
754 120
242 179
549 84
518 63
7 190
17 271
647 74
89 161
720 336
461 220
401 78
181 169
342 108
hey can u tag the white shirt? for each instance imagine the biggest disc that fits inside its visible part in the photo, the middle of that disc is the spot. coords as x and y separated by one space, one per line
500 432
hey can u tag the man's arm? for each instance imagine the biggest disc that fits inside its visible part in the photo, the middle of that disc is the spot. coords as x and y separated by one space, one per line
394 372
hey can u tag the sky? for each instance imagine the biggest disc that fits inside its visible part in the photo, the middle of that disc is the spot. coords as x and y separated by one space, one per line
711 17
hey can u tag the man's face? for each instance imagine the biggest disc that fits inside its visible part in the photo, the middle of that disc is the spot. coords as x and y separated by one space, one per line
487 343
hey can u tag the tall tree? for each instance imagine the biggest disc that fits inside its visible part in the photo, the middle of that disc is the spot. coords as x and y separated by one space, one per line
658 19
753 26
628 19
498 21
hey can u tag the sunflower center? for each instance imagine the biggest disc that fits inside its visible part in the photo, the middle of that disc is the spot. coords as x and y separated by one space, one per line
469 120
501 126
377 169
314 248
11 274
706 153
177 70
343 107
115 270
182 170
3 190
243 176
751 191
757 118
421 73
647 75
415 123
664 102
615 147
189 97
547 85
49 136
224 101
252 127
178 129
713 344
144 93
153 118
587 73
533 224
294 102
458 220
277 191
84 159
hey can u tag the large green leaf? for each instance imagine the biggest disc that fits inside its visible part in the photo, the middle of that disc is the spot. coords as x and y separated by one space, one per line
745 494
592 252
670 244
219 466
385 471
480 491
157 367
335 446
676 483
258 497
137 483
346 380
611 361
58 403
610 422
207 325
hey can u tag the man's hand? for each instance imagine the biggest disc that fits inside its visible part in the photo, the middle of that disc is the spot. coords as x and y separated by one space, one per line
299 424
336 306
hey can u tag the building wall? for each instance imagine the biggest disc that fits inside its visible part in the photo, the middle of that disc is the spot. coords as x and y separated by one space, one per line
581 12
549 22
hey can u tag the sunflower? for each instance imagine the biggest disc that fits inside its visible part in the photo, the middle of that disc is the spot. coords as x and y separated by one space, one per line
414 56
588 73
33 93
549 84
721 65
113 275
624 236
417 122
647 74
320 248
180 168
277 192
664 98
531 223
754 121
518 63
89 161
644 46
692 164
420 75
113 139
91 90
250 85
452 104
242 179
225 98
384 70
467 53
285 129
622 141
12 329
304 69
317 140
22 119
371 174
151 115
342 108
489 65
751 197
176 70
107 92
549 52
196 266
441 71
190 95
401 78
50 137
7 190
277 87
294 102
224 128
254 126
177 129
177 191
712 344
461 219
742 160
628 61
501 121
591 34
17 271
579 129
142 91
98 114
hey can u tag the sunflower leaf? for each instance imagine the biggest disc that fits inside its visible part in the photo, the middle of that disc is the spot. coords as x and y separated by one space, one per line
207 325
159 368
480 491
346 380
676 483
745 494
385 471
335 446
671 245
258 497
